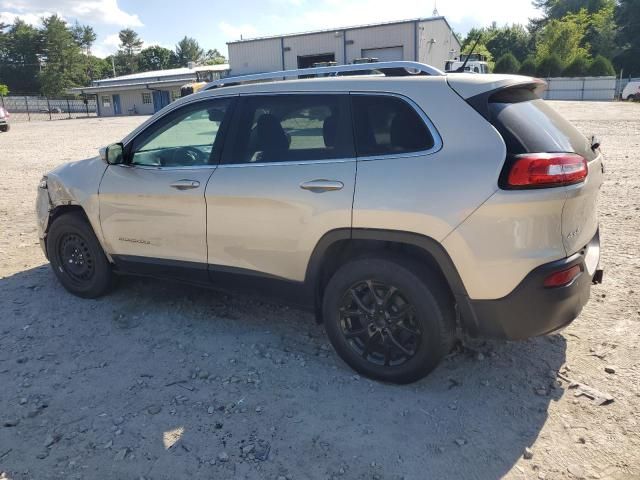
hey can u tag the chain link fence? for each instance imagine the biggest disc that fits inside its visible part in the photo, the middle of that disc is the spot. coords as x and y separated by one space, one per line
28 108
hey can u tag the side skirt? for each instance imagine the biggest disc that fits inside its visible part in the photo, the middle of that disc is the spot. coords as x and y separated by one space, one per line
218 277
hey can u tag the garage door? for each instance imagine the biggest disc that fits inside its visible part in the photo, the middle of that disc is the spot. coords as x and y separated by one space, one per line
383 54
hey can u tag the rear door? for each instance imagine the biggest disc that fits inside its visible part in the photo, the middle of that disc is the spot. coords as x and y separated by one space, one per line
152 208
287 178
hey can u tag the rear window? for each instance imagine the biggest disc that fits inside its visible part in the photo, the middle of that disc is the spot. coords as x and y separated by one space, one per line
529 125
387 125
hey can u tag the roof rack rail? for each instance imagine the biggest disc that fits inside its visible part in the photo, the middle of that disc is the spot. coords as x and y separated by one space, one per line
398 68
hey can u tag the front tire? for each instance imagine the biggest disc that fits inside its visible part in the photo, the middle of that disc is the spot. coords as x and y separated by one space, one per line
387 320
77 258
4 128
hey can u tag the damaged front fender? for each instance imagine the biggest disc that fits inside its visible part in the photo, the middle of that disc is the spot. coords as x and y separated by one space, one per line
72 184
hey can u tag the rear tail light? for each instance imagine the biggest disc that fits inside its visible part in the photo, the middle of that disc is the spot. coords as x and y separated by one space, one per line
541 170
562 277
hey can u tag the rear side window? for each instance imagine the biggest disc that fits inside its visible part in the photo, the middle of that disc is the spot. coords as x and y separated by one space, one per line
529 125
289 128
388 125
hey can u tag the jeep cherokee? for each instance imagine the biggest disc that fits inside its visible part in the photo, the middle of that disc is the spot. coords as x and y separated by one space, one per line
405 207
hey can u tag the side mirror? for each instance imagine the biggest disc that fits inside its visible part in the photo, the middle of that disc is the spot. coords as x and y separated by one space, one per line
113 154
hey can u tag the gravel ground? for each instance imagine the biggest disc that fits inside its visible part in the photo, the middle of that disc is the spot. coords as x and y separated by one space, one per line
164 381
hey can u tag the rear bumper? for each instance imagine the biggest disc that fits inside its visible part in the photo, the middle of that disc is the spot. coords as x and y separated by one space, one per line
531 309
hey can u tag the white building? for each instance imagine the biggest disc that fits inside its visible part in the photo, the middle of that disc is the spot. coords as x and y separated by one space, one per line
427 40
146 92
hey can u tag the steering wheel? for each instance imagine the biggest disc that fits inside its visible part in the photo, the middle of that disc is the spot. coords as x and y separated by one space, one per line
188 156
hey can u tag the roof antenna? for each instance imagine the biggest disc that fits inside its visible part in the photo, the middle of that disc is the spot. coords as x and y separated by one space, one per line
466 60
435 9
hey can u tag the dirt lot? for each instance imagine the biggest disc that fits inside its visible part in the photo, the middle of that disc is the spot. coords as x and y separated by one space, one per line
163 381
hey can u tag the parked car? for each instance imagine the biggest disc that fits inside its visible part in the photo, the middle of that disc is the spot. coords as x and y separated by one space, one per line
631 91
4 119
405 210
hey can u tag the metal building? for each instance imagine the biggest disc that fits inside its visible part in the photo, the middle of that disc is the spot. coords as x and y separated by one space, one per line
146 92
427 40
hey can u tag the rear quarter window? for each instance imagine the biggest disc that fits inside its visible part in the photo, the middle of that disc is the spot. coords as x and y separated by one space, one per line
386 125
530 125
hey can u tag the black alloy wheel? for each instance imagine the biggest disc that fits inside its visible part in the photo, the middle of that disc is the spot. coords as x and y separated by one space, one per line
388 317
379 323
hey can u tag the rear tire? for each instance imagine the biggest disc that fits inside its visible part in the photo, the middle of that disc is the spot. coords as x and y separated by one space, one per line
77 258
4 128
387 320
631 98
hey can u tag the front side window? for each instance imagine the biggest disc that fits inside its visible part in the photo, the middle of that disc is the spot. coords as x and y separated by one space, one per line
386 125
186 137
289 128
106 101
146 97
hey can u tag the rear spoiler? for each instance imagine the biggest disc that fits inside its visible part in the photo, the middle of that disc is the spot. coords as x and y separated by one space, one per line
478 94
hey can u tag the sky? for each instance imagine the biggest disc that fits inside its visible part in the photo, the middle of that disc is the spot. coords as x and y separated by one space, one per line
213 23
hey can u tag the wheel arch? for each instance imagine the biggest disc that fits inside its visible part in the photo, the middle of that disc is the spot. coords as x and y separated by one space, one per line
60 210
338 246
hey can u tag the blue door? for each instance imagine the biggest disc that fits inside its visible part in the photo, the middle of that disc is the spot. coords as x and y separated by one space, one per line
117 110
160 100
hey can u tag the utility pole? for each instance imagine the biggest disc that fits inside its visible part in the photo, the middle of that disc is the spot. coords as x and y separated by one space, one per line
113 65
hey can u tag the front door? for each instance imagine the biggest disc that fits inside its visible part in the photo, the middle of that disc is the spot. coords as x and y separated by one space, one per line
286 179
117 109
152 208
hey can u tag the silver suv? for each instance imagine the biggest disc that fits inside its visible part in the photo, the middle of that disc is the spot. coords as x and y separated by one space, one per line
406 207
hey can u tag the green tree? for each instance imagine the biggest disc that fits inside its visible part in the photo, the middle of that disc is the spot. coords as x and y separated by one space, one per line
480 48
513 39
563 38
578 67
601 31
156 58
4 90
214 57
20 57
130 46
507 63
188 50
550 66
557 9
600 67
4 38
62 58
528 67
627 15
472 36
85 37
97 68
119 60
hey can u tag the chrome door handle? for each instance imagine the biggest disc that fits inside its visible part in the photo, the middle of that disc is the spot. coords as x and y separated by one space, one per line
322 185
185 184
